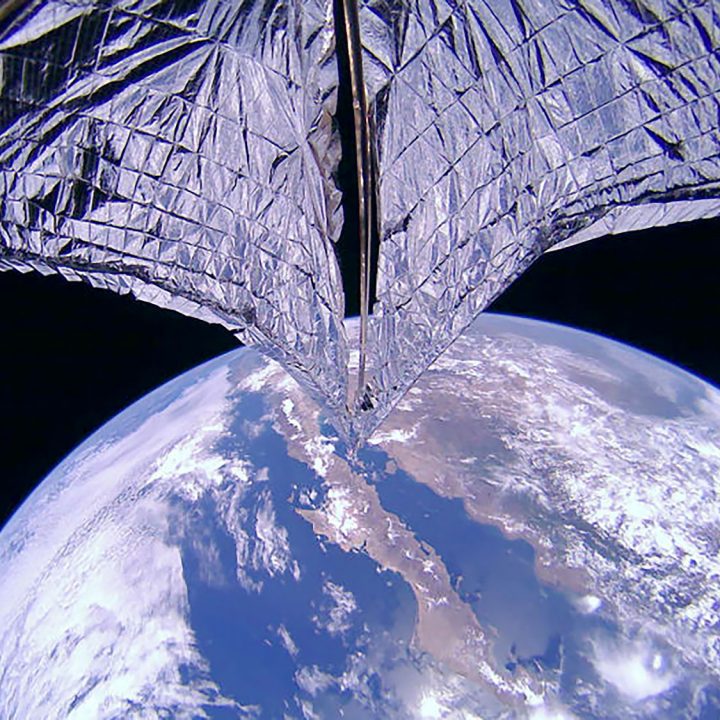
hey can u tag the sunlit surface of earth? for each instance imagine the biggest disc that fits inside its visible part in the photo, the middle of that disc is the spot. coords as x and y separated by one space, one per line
534 532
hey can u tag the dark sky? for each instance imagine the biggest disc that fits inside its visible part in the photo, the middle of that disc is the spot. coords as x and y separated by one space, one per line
72 357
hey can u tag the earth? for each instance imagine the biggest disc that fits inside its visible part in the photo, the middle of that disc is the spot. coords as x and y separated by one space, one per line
533 533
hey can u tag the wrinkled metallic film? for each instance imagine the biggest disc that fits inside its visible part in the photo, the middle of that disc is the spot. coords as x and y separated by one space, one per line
185 153
182 152
506 127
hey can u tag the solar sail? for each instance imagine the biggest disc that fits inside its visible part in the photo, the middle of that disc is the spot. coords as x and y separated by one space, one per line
183 152
186 152
505 127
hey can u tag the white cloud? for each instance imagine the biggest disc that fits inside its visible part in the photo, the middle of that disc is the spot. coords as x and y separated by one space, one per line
287 640
587 604
635 669
398 435
339 510
551 711
272 547
262 546
95 478
430 707
95 609
313 680
344 605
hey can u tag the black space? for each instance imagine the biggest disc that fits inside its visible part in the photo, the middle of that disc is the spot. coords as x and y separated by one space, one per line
655 289
73 356
347 181
346 177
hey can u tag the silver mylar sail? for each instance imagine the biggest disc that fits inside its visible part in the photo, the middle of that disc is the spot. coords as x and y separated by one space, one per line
504 127
185 152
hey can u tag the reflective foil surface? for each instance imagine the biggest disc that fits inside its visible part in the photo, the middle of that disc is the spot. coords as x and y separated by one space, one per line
185 152
504 127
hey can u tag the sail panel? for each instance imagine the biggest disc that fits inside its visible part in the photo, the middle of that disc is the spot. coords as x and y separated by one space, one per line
505 127
183 152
